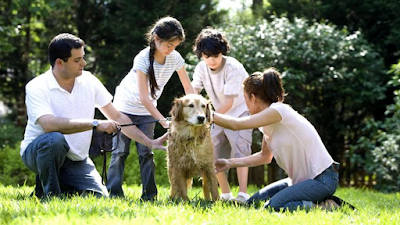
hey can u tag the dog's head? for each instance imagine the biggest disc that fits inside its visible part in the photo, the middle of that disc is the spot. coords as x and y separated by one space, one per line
192 108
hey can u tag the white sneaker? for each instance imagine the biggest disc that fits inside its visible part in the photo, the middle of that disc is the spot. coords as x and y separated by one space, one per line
226 197
239 199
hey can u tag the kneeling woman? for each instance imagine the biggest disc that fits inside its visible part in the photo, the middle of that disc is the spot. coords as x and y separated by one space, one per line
288 137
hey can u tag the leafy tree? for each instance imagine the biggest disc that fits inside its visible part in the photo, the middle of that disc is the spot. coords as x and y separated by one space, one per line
23 48
113 30
378 20
119 34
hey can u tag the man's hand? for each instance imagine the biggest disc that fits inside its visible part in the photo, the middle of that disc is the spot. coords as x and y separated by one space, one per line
108 126
159 142
221 165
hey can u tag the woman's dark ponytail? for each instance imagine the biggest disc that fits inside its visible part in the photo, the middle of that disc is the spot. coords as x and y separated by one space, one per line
266 85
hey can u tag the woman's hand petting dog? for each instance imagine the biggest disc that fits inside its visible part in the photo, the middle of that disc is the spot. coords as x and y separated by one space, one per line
221 165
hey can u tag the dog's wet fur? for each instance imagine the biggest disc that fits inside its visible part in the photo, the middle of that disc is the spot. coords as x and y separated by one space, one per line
190 149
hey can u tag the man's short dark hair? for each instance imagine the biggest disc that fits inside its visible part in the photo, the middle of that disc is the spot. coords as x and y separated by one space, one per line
61 45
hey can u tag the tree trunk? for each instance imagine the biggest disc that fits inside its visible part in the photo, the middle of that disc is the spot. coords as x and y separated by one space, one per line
21 107
82 8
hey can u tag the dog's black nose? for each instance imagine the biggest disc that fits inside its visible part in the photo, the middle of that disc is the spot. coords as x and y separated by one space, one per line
201 118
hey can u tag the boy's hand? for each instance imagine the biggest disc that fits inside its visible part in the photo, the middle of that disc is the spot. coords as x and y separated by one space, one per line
159 142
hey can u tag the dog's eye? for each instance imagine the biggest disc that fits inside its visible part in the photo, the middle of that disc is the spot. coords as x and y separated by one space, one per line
203 106
191 105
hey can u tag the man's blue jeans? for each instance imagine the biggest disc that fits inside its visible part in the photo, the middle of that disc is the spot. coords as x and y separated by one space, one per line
47 157
146 160
283 195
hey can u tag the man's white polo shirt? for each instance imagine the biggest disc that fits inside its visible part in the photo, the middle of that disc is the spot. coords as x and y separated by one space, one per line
45 96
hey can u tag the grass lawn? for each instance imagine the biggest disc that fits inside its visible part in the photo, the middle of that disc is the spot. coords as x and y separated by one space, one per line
16 207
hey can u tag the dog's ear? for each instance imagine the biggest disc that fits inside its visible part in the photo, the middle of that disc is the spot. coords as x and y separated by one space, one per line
176 111
208 112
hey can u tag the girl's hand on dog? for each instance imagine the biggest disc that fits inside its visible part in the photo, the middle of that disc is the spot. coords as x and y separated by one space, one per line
159 143
221 165
165 123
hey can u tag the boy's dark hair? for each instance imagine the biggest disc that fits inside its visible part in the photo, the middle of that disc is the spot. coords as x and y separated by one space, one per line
61 45
211 42
167 29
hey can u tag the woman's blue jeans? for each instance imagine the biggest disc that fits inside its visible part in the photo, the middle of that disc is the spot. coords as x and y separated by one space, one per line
283 195
47 157
146 160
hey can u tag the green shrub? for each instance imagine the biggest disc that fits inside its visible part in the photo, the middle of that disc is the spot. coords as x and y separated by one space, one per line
10 134
12 169
387 162
381 143
387 152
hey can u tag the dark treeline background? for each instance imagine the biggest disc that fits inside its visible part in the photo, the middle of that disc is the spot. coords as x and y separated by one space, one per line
114 32
339 61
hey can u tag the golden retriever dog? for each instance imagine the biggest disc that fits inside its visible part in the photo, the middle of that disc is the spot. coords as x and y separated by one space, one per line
190 149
